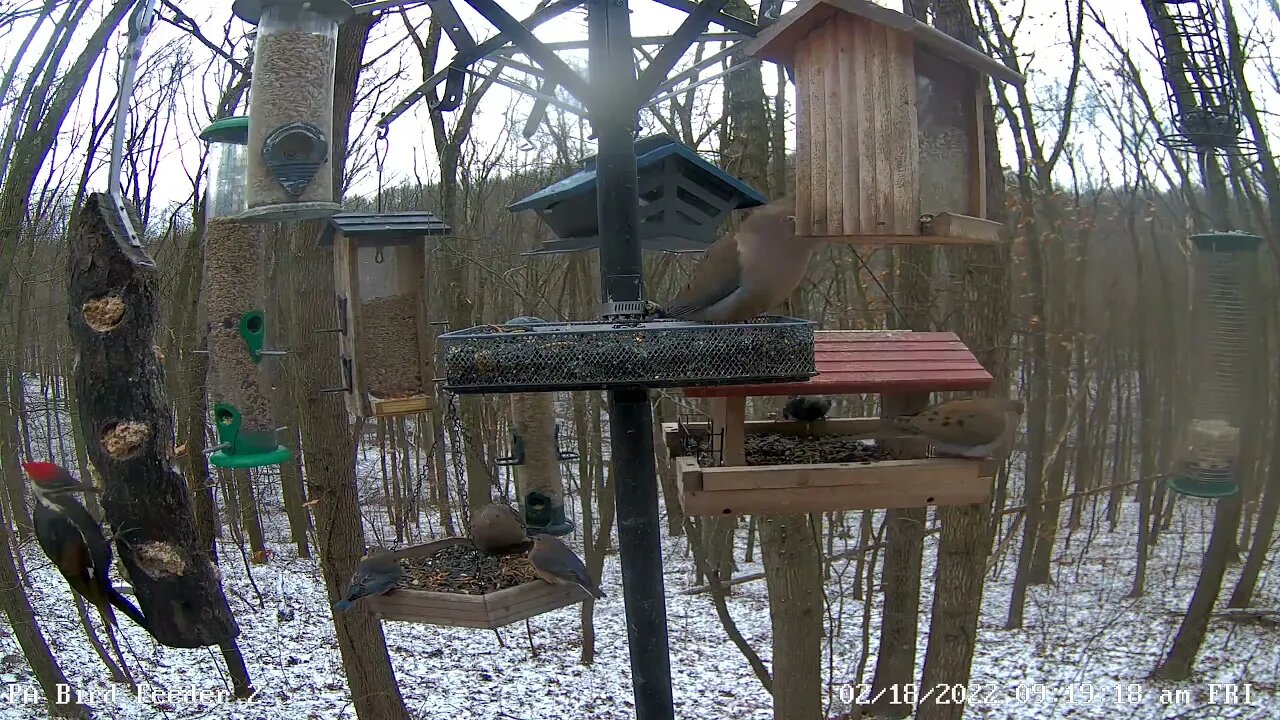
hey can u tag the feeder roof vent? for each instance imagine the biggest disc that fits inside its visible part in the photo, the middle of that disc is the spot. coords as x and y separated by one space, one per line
384 228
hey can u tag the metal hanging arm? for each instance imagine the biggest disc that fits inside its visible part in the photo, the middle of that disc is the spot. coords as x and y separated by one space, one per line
140 22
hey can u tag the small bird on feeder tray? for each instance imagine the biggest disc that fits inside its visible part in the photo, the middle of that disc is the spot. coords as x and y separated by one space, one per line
806 408
747 274
969 428
376 573
74 541
557 564
497 529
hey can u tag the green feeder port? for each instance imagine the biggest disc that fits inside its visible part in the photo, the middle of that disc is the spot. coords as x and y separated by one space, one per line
543 515
244 449
253 328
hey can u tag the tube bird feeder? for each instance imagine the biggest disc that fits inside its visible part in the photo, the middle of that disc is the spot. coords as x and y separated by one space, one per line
537 462
291 107
1224 264
234 299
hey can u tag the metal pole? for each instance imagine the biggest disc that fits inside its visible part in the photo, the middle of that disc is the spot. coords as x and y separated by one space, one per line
613 116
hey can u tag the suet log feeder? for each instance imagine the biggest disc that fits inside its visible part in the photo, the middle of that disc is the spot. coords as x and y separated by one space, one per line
683 200
536 459
889 125
234 301
379 271
831 464
1224 267
290 175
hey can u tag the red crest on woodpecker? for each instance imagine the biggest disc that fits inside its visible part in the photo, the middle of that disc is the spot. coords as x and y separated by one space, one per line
45 472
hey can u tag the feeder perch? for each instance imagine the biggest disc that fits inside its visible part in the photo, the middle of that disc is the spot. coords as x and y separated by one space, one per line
563 455
1224 269
832 465
889 125
596 355
683 201
290 175
379 270
517 453
234 297
489 610
538 482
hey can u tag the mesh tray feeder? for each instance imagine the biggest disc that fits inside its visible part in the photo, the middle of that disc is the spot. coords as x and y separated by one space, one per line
594 355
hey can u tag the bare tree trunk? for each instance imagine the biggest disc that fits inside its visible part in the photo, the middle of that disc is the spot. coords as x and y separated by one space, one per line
793 573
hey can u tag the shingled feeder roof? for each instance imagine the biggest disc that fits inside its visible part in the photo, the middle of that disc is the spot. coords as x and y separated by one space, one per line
649 151
384 227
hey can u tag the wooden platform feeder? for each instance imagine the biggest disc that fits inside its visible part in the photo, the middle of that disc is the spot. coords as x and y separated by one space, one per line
379 272
902 367
683 201
889 125
490 610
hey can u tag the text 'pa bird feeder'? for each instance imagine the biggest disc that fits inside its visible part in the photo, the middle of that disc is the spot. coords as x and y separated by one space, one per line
731 466
290 173
450 583
889 125
683 200
536 457
1224 268
234 301
379 271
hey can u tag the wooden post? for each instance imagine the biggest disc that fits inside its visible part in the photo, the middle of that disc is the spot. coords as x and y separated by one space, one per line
128 426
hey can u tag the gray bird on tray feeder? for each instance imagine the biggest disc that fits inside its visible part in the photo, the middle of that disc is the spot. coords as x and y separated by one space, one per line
497 529
555 563
377 573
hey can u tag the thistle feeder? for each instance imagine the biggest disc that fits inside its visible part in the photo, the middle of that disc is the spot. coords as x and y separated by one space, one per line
536 459
234 299
290 171
889 125
683 201
1224 267
379 267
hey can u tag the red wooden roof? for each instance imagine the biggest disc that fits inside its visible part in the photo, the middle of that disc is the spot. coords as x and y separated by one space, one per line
852 362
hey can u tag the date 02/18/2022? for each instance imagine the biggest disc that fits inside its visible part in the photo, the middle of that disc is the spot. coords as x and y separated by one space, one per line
1041 694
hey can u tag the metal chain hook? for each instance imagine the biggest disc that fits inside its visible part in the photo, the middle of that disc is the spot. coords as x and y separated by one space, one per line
381 146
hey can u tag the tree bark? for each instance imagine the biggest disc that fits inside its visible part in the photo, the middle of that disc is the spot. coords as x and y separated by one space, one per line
793 573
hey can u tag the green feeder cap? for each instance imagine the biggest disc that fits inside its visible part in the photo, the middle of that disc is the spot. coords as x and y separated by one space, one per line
1195 487
231 130
1226 242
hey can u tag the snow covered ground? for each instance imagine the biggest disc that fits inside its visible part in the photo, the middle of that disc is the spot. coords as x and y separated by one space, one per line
1085 651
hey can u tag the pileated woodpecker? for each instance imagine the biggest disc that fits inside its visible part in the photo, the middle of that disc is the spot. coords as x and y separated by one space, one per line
74 541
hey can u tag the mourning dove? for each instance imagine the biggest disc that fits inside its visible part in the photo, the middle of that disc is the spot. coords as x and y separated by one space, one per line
747 274
557 564
377 573
497 529
970 428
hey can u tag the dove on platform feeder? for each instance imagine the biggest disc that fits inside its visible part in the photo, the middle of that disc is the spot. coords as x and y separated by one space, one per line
747 274
806 408
555 563
970 428
497 529
375 574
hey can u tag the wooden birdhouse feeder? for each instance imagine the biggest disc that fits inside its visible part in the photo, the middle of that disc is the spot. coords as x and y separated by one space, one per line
683 201
889 125
731 467
379 272
465 609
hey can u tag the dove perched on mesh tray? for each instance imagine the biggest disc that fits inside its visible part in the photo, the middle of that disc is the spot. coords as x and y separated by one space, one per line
497 529
557 564
746 274
377 573
970 428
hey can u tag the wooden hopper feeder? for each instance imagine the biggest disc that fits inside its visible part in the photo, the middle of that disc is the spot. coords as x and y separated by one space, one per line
889 125
490 610
903 367
379 273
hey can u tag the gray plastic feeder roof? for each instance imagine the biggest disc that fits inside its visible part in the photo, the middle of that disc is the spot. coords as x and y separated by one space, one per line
384 228
683 200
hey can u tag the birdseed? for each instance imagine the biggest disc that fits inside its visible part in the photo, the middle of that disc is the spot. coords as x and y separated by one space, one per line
124 438
292 82
390 357
534 418
780 449
104 313
236 380
464 570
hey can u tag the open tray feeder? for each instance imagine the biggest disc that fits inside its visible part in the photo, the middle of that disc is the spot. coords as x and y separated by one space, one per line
653 353
470 589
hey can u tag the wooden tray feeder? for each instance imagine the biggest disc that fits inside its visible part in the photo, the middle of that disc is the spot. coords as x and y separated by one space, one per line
903 367
889 125
490 610
379 272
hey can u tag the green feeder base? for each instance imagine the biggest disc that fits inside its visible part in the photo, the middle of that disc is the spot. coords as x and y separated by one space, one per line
223 459
544 515
1195 487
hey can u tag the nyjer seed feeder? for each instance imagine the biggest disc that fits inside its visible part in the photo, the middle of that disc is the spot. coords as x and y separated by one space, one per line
234 297
290 172
536 458
379 268
1224 271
